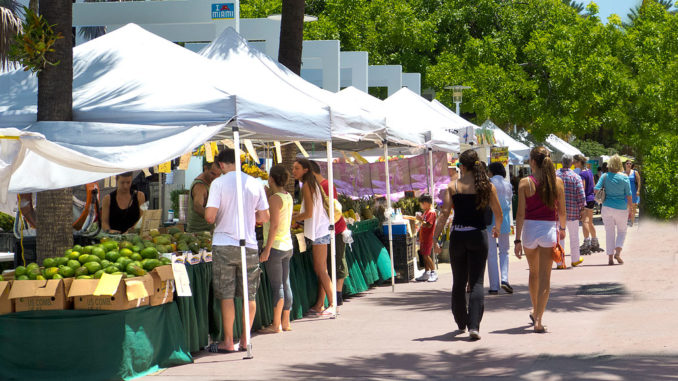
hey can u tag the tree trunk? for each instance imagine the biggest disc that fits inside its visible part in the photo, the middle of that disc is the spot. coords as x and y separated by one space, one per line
55 102
289 54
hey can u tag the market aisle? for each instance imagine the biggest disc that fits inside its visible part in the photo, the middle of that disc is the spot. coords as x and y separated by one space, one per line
604 322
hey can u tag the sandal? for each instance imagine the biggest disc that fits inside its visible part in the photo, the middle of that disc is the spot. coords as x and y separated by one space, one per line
619 260
214 348
269 330
610 261
540 330
287 329
532 318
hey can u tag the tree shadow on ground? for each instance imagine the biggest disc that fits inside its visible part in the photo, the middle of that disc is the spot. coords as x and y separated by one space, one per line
562 299
486 363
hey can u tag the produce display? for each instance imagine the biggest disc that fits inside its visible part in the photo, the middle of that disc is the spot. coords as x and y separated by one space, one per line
6 222
128 254
250 167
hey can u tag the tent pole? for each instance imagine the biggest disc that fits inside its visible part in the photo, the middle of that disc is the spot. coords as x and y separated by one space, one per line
241 234
432 187
388 210
333 251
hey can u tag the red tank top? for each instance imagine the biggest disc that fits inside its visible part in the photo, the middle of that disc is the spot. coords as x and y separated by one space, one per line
535 209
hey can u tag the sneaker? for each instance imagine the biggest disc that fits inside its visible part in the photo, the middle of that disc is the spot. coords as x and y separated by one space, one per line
507 287
579 262
433 277
493 292
560 267
424 277
473 334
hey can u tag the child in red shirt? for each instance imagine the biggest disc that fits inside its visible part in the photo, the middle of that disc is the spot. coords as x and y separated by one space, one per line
428 225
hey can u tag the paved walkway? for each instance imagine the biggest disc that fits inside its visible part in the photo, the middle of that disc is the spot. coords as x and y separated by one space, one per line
629 334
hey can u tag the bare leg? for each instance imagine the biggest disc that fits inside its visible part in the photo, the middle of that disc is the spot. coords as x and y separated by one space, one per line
585 223
286 320
277 314
245 326
589 220
320 268
544 287
533 283
428 263
228 317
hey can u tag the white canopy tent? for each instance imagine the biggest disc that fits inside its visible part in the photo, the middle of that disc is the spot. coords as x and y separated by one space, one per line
249 71
561 147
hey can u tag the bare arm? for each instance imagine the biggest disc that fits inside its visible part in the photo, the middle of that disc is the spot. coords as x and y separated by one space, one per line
308 204
562 211
444 214
523 186
211 214
262 216
105 214
496 210
639 183
199 198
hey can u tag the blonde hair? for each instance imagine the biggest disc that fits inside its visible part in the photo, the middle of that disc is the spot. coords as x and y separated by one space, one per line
615 164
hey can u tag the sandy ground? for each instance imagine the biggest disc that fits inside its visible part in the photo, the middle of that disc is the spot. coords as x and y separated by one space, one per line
628 331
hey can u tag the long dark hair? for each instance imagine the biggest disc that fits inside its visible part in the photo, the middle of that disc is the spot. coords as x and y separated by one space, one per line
547 178
308 177
469 159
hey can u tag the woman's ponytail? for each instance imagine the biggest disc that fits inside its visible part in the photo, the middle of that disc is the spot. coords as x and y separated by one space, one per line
547 178
469 159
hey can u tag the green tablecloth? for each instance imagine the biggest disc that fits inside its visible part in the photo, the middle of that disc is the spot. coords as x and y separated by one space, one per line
90 345
368 261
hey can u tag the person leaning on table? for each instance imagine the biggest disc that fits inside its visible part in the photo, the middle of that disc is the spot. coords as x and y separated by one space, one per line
617 207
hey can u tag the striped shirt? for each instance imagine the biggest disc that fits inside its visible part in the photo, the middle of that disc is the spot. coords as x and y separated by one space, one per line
575 199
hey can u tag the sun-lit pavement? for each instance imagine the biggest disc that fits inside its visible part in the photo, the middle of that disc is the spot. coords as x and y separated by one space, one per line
604 323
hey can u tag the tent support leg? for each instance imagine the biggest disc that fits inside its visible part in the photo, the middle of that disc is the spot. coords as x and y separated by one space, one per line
388 210
333 251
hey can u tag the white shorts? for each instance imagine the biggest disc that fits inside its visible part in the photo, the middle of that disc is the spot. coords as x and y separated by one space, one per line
539 233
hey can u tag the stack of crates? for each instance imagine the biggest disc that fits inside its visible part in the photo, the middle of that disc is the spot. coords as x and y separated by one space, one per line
403 255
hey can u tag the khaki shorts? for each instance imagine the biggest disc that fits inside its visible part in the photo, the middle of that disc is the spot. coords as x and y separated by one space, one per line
227 272
342 265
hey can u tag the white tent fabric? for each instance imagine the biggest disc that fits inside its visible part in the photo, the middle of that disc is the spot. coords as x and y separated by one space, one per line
562 146
410 112
52 155
462 127
249 71
376 107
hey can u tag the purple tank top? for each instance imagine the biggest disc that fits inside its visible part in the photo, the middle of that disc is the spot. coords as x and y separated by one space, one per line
535 209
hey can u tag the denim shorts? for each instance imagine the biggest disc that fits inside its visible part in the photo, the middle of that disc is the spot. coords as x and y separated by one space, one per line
324 240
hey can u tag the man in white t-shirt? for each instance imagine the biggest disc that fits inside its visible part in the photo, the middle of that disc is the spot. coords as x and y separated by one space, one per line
222 209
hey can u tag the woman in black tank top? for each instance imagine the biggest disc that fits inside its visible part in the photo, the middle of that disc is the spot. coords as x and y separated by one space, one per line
118 218
470 197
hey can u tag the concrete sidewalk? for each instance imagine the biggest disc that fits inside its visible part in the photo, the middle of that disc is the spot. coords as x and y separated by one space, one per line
604 323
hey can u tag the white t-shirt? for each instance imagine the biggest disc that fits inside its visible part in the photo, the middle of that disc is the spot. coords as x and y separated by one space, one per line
223 196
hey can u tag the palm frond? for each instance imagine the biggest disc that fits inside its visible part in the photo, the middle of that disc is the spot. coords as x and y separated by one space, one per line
10 26
14 6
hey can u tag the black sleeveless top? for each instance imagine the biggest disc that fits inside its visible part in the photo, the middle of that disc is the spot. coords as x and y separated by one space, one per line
465 212
123 219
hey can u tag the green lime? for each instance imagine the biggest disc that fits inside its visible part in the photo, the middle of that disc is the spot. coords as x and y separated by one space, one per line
50 271
62 261
49 262
136 257
88 249
20 270
74 255
98 274
33 273
66 271
72 263
92 267
82 270
57 276
22 277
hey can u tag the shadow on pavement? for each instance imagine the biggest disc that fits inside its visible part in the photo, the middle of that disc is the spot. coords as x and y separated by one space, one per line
486 363
562 299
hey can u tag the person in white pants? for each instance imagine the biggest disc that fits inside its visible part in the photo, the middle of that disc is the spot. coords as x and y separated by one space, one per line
505 195
575 200
616 211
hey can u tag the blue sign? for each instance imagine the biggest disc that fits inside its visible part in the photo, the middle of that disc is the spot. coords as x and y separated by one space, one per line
223 11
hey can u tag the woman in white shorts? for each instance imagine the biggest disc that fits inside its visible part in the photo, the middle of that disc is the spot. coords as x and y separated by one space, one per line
541 220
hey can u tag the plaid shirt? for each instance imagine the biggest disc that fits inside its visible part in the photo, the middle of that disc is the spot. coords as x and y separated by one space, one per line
575 199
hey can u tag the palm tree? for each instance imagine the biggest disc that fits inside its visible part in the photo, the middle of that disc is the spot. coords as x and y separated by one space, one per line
635 11
55 103
10 26
577 6
289 54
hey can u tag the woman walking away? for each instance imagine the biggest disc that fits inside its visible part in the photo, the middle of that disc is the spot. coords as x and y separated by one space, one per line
278 249
470 196
316 228
541 221
634 180
591 244
617 208
505 195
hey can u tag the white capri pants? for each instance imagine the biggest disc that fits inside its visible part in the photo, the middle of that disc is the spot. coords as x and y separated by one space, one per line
614 219
573 232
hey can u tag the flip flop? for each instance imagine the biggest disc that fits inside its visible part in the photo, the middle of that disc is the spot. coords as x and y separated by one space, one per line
214 348
532 318
269 330
287 329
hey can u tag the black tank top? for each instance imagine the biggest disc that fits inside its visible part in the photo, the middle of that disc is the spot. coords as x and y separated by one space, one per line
123 219
465 212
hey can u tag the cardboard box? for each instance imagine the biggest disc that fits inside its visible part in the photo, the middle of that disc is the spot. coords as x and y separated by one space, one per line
121 294
163 285
193 259
6 304
41 295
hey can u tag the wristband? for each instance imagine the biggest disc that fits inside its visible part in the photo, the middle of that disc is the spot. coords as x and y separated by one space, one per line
562 228
517 242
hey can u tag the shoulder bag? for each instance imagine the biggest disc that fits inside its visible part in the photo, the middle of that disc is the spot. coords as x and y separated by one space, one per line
600 196
326 205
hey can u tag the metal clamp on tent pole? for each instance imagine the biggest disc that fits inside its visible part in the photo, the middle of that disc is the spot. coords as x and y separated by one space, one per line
243 243
331 227
235 129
